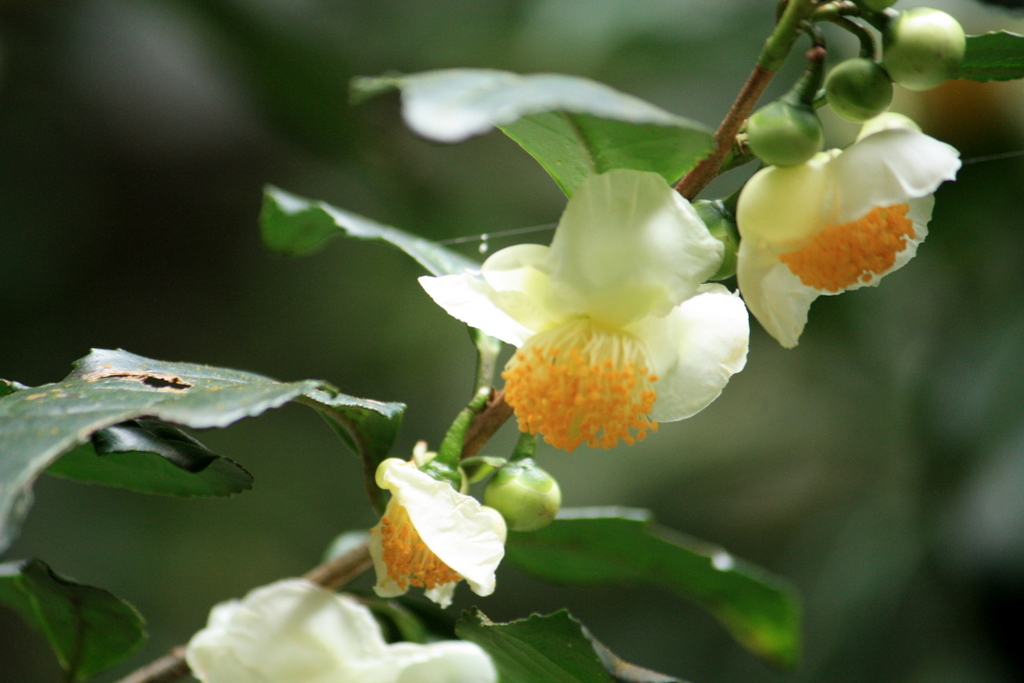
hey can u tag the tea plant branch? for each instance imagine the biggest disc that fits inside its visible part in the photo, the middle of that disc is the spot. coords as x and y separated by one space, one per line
771 59
485 423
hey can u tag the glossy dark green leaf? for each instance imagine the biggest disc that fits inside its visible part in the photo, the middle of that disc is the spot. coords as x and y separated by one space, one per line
993 56
89 629
151 473
293 225
110 387
572 126
554 647
593 546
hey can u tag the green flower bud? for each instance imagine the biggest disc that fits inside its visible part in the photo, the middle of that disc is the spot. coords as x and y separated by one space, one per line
525 495
923 48
784 134
721 223
858 89
877 5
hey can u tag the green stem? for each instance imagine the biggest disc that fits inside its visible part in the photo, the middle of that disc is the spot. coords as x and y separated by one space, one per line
868 47
450 451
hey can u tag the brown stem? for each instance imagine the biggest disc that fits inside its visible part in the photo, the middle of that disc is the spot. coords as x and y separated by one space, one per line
485 424
336 573
331 575
168 668
704 172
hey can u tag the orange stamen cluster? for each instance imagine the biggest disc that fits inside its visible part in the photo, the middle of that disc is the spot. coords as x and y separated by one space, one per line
579 383
842 255
409 560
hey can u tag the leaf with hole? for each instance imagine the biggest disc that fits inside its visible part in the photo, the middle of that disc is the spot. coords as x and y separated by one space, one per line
108 388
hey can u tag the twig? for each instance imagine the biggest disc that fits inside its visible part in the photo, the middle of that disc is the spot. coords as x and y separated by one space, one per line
485 424
772 56
168 668
342 569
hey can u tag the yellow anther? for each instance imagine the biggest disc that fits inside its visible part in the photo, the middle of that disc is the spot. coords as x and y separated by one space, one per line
842 255
408 559
581 383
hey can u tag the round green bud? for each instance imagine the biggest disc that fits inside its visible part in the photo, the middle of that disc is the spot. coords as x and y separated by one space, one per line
877 5
722 226
858 89
525 495
784 134
923 48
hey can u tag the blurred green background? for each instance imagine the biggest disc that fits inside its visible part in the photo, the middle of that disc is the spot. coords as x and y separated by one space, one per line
879 466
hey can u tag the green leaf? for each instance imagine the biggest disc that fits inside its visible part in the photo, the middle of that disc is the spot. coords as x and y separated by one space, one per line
593 546
555 647
573 126
151 473
88 628
110 387
993 56
297 226
572 147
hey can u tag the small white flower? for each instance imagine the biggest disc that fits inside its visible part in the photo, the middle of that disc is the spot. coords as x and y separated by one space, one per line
433 536
615 328
837 222
294 631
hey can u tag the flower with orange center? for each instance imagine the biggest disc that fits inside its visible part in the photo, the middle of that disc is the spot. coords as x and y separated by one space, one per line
432 536
616 331
840 221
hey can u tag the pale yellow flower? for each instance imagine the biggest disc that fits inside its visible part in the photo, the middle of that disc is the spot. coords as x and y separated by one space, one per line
294 631
432 536
840 221
615 328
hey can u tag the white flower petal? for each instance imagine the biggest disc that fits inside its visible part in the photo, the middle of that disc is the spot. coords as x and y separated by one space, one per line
774 295
465 535
781 302
291 630
762 215
448 661
294 631
628 246
470 299
889 167
695 350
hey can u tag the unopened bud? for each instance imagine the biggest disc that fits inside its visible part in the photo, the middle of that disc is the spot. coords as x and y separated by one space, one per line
525 495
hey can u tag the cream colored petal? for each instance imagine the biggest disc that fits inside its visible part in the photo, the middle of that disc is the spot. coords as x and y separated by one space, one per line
628 231
448 661
521 289
783 206
467 536
291 630
889 167
774 295
695 349
470 299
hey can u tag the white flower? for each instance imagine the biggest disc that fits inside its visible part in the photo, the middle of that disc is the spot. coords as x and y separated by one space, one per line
840 221
294 631
433 536
616 331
